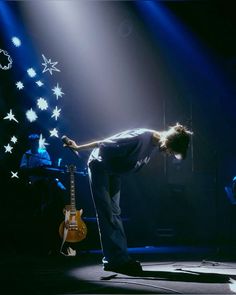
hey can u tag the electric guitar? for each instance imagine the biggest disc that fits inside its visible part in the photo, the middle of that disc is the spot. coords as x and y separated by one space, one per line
73 225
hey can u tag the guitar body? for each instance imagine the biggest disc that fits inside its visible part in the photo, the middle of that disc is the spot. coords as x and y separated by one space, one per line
77 230
72 229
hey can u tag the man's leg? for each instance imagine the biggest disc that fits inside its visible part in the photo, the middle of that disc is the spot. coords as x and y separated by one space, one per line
114 191
113 239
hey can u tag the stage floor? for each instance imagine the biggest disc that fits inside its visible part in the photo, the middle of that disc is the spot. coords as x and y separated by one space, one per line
192 272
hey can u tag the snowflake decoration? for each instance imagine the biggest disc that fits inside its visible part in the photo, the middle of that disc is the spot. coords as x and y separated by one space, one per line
42 103
54 132
14 139
14 174
39 83
31 115
8 148
16 41
19 85
56 113
9 60
42 142
49 65
57 91
10 116
31 72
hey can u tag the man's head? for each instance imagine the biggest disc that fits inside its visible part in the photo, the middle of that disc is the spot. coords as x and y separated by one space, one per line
175 141
33 137
34 141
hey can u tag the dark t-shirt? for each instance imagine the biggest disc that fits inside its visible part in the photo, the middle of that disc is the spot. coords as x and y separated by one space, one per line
126 151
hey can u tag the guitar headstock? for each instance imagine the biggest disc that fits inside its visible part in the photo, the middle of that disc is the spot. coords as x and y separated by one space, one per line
71 168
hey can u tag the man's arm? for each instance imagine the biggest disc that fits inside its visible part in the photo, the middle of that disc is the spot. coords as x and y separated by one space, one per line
73 145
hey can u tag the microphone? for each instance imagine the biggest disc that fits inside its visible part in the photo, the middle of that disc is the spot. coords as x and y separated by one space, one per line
67 141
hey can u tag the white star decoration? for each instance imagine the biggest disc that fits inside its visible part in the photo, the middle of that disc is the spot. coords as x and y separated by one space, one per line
31 72
31 115
54 132
49 65
14 139
19 85
39 83
42 103
56 113
10 116
42 142
8 148
14 174
57 91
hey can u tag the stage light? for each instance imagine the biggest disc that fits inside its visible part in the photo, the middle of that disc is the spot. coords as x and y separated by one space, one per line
8 148
16 41
171 33
49 65
31 115
31 72
56 113
39 83
57 91
10 116
14 174
14 139
19 85
42 104
54 132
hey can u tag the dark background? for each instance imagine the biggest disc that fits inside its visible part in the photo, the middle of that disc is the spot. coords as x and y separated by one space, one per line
184 72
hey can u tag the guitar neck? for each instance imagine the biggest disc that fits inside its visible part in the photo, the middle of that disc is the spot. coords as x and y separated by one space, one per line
72 193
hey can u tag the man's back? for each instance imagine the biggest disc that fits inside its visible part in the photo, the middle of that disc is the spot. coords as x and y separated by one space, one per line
125 151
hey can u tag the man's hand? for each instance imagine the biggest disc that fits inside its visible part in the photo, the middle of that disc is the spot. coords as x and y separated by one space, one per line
69 143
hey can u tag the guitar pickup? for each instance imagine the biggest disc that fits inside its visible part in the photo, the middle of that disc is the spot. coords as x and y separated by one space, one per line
73 226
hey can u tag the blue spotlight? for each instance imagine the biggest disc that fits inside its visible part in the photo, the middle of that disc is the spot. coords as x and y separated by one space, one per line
7 17
14 32
178 44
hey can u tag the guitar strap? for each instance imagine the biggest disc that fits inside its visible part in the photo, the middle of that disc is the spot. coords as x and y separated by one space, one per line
70 251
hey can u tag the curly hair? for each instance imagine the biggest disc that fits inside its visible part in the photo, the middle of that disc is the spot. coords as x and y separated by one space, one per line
176 140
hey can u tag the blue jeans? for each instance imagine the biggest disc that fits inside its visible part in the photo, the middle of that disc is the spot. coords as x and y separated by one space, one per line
105 188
